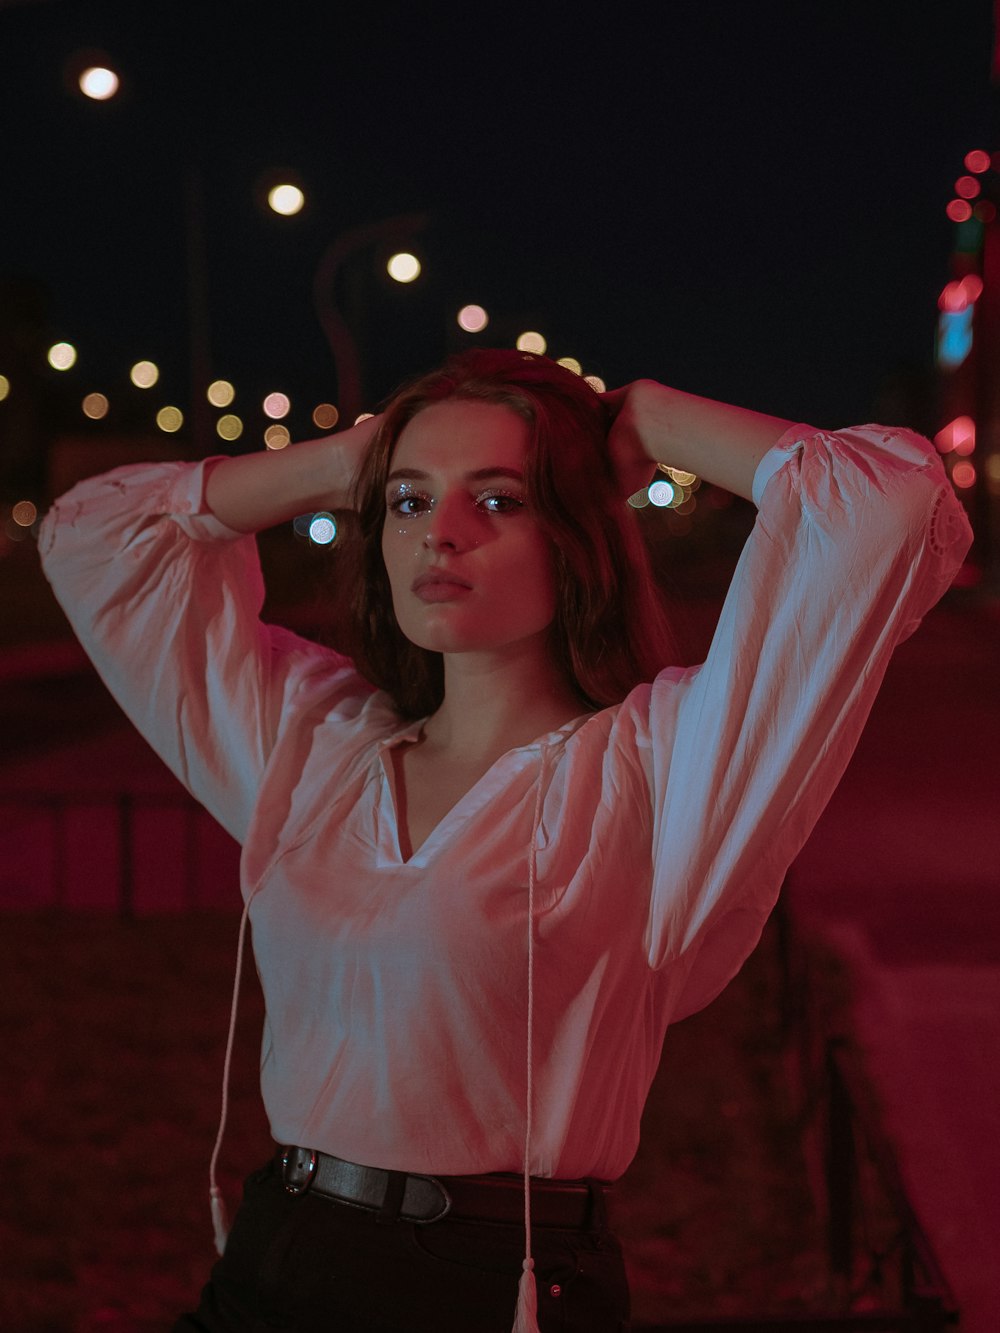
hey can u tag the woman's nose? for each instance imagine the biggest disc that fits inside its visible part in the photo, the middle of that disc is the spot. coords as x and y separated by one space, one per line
449 527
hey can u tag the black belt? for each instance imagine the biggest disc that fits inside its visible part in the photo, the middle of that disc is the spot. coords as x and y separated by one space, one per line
570 1204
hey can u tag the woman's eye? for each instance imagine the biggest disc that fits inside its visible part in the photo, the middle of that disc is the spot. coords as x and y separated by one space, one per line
407 506
495 502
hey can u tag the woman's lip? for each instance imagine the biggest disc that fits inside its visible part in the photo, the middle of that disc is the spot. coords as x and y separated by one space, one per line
439 588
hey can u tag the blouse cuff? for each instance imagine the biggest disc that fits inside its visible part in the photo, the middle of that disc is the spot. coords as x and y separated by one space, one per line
777 456
183 499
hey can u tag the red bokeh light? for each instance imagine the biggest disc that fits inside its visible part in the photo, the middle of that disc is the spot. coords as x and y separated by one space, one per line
967 186
985 211
963 475
977 160
959 210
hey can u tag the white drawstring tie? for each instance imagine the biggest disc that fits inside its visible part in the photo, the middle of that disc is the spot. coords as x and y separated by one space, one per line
526 1316
220 1223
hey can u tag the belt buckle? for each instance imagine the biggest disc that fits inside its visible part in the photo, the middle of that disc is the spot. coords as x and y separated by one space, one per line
298 1167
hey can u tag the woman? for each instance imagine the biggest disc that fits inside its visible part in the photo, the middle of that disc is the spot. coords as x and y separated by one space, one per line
481 891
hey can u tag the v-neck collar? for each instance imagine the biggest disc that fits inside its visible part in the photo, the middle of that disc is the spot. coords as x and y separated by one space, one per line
388 841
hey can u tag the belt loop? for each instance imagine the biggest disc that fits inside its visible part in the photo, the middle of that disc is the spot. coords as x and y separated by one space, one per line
392 1200
597 1213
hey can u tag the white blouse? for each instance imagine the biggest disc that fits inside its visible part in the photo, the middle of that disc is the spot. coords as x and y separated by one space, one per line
396 989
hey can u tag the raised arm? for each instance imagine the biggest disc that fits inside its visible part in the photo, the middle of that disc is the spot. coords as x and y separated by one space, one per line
260 490
656 424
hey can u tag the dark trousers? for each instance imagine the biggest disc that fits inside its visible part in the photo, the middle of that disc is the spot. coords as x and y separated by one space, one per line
301 1263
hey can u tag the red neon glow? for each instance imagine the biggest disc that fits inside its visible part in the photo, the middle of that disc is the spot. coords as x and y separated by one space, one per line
959 210
963 475
977 160
967 186
959 435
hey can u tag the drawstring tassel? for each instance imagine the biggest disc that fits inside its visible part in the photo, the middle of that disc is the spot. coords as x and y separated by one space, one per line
526 1319
220 1223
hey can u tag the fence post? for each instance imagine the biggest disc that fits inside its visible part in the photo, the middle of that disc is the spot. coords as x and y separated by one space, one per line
126 868
839 1164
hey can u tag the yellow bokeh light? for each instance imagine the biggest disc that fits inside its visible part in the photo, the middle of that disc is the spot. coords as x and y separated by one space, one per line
4 387
325 416
993 467
682 478
61 356
286 199
276 437
403 267
170 419
473 318
220 393
363 416
530 341
95 406
571 363
24 513
229 427
596 383
99 83
640 499
144 374
277 405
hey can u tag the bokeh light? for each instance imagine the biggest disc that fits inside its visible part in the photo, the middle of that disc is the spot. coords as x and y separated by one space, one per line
277 437
640 499
170 419
960 293
985 211
959 435
95 406
403 267
977 160
4 387
967 187
144 374
473 318
993 473
363 416
596 383
325 416
963 475
99 83
229 427
323 529
531 341
24 513
571 363
61 356
277 405
286 199
678 474
220 393
959 210
661 494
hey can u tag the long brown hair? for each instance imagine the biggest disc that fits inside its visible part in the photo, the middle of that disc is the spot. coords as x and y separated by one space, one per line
610 629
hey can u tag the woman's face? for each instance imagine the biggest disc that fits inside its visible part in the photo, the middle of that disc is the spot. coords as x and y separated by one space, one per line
469 567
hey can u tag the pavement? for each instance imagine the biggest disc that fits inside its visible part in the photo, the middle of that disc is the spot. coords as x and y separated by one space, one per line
902 875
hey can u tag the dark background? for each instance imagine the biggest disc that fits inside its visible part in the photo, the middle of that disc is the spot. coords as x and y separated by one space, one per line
743 199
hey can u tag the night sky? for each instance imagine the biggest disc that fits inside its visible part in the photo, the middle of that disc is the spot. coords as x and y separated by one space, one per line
742 199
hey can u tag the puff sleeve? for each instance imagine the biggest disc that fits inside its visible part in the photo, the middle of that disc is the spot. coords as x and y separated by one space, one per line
858 534
166 601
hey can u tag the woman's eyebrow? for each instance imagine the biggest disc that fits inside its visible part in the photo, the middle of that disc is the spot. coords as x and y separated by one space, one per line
480 474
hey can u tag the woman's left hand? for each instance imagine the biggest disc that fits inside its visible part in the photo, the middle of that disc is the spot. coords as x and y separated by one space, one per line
632 464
